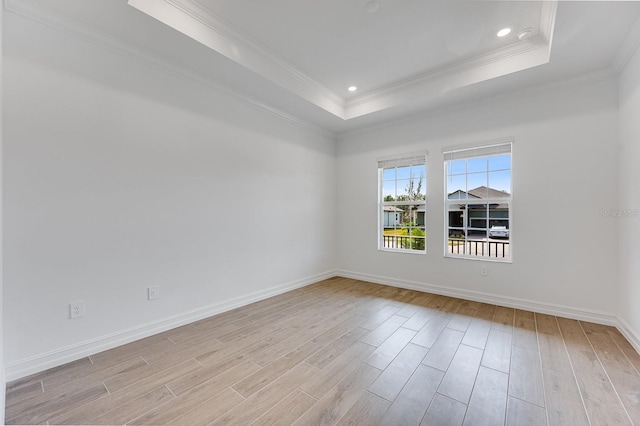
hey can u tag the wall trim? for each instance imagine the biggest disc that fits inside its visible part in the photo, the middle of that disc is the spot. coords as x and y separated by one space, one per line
38 363
529 92
478 296
32 365
629 333
3 394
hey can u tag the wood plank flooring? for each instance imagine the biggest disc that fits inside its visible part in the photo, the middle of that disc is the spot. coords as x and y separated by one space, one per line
349 352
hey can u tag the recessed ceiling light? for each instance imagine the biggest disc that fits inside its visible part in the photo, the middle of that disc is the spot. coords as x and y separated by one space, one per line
352 88
503 32
372 6
526 33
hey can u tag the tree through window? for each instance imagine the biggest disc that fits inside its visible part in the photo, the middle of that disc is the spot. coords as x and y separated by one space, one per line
402 206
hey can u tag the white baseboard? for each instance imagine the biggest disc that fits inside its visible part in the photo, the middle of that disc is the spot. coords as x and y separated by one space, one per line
23 368
629 333
3 393
511 302
61 356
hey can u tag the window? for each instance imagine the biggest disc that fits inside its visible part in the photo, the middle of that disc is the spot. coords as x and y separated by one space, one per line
402 204
478 202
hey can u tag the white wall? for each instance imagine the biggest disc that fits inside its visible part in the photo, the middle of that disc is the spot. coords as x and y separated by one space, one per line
629 199
2 377
119 176
564 174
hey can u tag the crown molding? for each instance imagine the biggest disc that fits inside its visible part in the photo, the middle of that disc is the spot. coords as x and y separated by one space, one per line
90 35
629 47
515 57
524 93
210 30
199 23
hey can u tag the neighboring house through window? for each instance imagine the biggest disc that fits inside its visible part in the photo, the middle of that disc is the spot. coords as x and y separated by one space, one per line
478 202
402 204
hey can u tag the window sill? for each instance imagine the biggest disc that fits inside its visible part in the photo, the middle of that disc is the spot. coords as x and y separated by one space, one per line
479 258
403 251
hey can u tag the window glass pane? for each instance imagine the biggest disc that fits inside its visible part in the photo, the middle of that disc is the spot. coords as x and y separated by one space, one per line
477 220
391 217
475 181
389 174
500 162
419 171
403 172
422 187
500 181
475 165
475 227
457 187
499 221
403 187
455 217
403 225
457 167
389 190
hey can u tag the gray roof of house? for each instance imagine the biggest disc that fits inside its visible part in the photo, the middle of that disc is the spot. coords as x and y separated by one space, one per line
485 192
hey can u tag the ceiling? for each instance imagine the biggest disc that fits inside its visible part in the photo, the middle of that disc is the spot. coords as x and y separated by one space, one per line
406 57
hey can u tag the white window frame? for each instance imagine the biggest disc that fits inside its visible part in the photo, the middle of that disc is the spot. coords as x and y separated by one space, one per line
413 159
479 150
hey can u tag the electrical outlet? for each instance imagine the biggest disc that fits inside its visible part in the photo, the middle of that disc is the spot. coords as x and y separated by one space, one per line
484 271
76 309
153 292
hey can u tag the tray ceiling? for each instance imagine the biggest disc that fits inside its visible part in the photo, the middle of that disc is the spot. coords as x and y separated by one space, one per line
296 59
404 51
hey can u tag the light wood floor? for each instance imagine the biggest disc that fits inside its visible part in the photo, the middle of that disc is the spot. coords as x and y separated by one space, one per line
349 352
